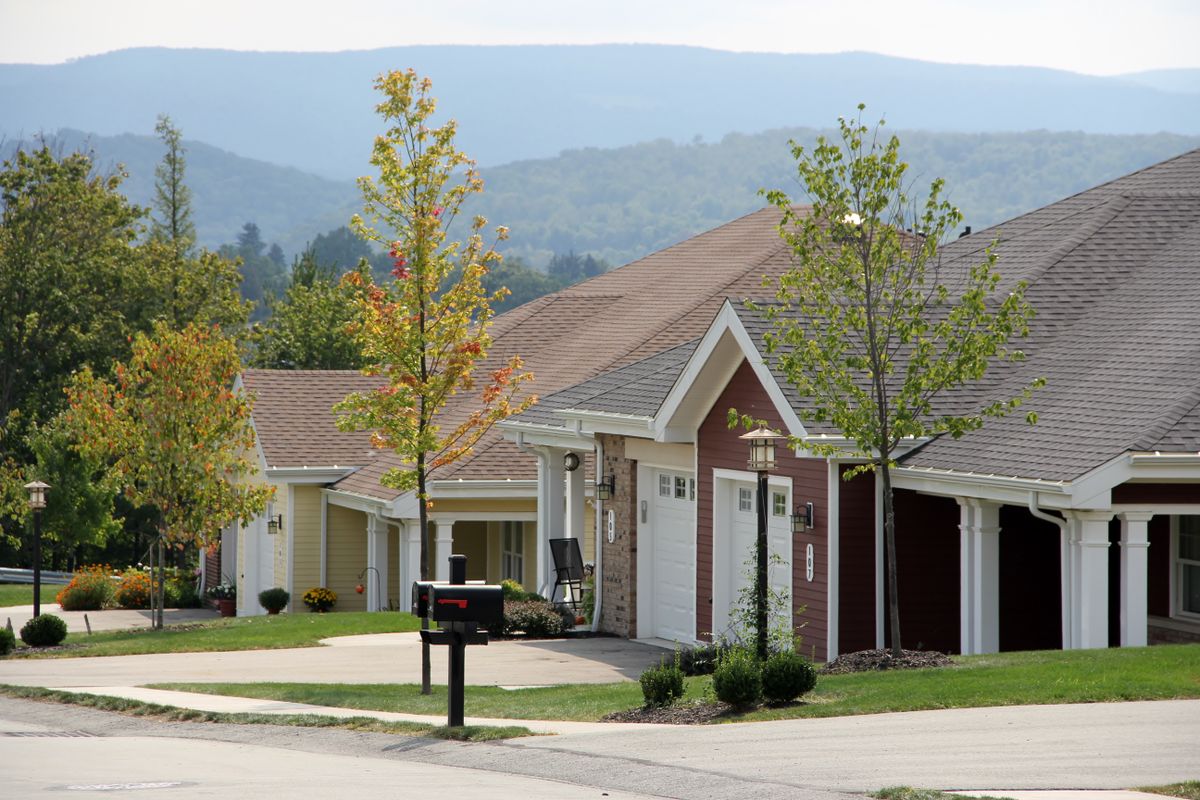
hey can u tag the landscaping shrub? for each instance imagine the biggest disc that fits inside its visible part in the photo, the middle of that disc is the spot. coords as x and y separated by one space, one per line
737 679
8 642
181 589
786 675
319 599
91 589
44 631
134 589
662 685
274 599
533 617
701 659
514 591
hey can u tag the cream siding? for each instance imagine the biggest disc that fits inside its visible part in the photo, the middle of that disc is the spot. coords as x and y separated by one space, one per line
280 540
305 526
347 556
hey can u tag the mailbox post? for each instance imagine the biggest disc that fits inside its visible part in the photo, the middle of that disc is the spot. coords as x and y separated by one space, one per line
460 611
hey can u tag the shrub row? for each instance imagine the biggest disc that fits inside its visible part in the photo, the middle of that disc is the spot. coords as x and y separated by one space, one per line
739 678
98 586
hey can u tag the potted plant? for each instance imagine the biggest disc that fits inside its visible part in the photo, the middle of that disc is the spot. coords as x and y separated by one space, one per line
274 600
319 599
225 596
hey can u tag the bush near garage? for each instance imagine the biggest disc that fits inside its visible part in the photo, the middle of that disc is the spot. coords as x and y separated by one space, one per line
737 679
786 675
662 685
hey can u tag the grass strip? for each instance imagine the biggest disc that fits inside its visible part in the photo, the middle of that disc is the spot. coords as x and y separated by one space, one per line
1189 790
21 594
137 708
909 793
228 634
1031 678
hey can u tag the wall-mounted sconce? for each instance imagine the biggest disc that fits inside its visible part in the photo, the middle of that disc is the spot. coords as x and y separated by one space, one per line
605 487
274 524
802 519
571 462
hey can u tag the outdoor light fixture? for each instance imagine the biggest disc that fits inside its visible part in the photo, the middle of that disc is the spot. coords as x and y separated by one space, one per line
37 501
762 448
605 487
571 462
275 524
802 519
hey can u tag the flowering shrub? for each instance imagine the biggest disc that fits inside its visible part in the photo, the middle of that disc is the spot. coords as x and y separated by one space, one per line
134 589
223 591
319 599
91 589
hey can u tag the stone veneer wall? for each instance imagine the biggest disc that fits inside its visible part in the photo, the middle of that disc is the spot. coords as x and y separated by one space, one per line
618 611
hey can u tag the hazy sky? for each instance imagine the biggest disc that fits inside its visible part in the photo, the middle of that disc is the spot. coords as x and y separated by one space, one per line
1100 37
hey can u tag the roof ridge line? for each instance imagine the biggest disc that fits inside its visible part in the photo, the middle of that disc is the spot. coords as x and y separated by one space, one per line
1168 418
1107 211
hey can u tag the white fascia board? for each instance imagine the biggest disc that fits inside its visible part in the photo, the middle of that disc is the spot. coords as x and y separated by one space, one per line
307 474
403 507
358 502
534 434
1001 489
592 422
669 424
1147 466
454 489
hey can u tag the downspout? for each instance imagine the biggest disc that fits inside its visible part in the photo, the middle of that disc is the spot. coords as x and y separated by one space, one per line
599 531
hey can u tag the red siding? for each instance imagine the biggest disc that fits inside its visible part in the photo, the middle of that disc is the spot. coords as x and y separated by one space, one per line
1156 493
856 563
718 447
1030 576
927 569
1158 582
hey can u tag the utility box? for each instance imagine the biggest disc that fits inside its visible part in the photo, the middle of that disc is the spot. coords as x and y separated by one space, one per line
483 605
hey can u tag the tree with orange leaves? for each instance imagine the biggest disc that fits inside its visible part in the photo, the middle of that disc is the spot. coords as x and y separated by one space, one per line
176 435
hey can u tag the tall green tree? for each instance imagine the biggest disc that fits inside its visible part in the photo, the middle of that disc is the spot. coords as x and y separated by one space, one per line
172 222
425 332
309 327
863 327
175 433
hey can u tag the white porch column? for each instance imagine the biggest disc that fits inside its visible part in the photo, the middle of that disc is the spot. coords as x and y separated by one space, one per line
551 509
979 581
1135 544
376 577
1069 570
1091 579
444 547
409 558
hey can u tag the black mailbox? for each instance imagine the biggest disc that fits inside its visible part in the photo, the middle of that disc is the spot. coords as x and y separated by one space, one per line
462 603
420 598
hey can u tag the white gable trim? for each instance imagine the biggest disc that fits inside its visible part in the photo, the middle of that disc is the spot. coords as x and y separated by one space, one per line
721 351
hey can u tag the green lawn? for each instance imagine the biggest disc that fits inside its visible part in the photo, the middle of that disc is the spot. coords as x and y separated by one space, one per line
1052 676
21 594
233 633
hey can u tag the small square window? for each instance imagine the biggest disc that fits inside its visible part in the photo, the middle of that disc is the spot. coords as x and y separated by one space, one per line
680 488
745 500
664 485
779 504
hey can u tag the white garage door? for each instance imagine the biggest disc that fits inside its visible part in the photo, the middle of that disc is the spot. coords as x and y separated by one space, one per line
673 584
734 548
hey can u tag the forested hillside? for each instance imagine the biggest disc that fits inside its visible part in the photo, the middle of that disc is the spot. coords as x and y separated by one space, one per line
622 203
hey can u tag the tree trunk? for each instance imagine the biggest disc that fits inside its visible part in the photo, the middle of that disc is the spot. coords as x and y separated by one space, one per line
889 538
162 584
423 516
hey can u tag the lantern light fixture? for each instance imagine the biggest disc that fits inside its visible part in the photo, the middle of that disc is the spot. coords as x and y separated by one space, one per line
802 518
762 448
606 487
37 494
571 462
275 524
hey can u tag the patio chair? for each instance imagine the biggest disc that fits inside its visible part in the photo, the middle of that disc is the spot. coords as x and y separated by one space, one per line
568 572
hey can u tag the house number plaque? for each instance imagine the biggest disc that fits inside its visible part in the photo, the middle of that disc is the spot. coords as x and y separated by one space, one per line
808 562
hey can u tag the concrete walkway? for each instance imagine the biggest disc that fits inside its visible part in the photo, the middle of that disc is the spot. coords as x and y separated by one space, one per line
111 619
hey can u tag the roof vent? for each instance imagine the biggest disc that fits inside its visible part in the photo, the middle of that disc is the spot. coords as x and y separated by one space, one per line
966 232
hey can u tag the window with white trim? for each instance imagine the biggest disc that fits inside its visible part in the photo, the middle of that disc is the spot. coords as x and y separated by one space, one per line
664 485
512 551
745 500
680 487
1187 564
779 504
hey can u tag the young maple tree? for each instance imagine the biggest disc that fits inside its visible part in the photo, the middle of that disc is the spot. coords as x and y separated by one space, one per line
176 434
867 328
425 332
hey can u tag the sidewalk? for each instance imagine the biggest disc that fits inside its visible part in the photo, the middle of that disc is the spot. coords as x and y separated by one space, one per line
112 619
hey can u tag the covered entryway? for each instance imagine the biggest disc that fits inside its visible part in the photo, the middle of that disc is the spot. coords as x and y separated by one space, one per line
672 582
735 530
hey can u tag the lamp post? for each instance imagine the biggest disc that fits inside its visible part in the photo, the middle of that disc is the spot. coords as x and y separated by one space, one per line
762 461
37 501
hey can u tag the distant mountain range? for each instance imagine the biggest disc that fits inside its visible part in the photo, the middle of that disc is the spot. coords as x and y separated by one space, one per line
314 111
622 203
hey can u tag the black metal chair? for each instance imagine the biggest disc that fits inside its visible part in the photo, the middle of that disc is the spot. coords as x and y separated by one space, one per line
568 572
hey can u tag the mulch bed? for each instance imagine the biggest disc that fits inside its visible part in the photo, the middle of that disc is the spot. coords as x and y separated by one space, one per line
698 714
873 660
